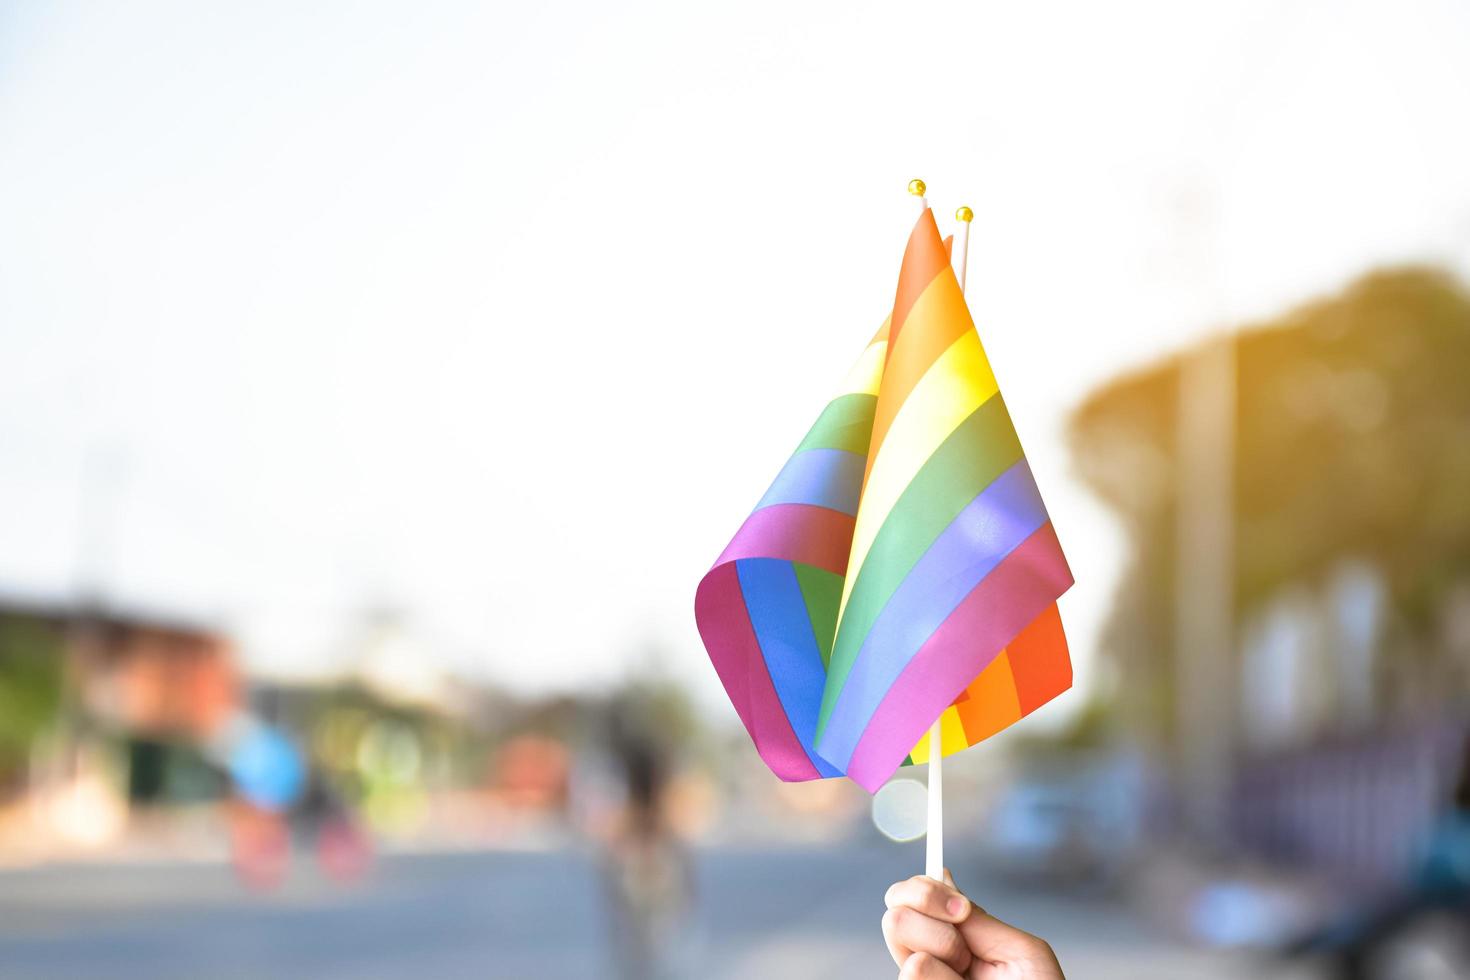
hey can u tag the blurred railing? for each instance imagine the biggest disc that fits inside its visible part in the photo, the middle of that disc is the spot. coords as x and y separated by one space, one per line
1355 809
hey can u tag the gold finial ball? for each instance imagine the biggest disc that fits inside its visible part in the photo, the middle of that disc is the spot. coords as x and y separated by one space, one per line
917 187
964 214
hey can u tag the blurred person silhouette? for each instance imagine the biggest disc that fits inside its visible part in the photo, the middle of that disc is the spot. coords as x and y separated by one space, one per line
647 871
325 820
279 794
1425 932
267 774
261 836
934 932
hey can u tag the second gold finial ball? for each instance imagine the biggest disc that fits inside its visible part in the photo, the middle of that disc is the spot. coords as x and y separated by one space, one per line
916 187
964 214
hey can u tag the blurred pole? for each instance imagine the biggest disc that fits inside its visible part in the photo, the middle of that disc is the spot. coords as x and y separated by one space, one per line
1204 569
103 475
103 471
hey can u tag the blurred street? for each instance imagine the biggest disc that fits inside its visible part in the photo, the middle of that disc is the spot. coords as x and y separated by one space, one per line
770 913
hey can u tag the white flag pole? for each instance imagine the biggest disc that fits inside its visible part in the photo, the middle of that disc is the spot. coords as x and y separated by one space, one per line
962 244
934 841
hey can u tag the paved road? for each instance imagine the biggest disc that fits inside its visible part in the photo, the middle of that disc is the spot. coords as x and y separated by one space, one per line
768 914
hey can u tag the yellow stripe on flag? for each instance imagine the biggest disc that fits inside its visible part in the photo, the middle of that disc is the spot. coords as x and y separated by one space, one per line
951 737
867 373
959 382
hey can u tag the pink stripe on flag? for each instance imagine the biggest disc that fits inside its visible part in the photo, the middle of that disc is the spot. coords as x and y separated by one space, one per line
816 536
724 625
1023 585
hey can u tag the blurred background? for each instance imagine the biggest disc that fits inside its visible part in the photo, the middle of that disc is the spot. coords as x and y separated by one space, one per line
378 380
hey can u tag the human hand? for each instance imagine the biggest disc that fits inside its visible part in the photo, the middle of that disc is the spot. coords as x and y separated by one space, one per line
936 933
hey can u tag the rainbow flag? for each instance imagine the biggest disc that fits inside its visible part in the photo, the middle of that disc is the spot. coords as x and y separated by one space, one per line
901 568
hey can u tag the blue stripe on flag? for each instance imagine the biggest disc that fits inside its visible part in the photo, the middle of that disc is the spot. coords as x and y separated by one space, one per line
782 626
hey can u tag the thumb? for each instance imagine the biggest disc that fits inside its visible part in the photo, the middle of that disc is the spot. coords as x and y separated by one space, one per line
995 941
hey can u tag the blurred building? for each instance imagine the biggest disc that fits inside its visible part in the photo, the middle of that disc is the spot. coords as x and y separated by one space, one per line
156 689
153 678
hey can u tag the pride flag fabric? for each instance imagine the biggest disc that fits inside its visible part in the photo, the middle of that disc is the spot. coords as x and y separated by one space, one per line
901 568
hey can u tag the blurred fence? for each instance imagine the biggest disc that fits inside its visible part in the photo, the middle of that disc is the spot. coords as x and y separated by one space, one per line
1356 809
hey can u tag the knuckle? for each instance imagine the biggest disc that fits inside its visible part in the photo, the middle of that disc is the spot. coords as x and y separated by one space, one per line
916 967
926 889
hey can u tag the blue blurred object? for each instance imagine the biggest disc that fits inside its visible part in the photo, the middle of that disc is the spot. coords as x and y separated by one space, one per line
267 769
1445 870
1236 913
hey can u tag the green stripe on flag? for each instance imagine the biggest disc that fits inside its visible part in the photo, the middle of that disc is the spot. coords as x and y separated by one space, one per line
982 448
846 423
822 591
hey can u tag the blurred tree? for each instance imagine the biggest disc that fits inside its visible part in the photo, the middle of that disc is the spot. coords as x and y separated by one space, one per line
30 690
1352 442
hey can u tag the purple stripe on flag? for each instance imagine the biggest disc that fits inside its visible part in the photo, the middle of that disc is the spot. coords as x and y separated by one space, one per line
991 526
823 477
1020 588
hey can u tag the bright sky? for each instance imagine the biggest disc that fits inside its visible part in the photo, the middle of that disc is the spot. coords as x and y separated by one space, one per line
507 313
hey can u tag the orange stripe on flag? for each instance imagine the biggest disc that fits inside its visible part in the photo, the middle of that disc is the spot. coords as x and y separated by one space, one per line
924 259
991 704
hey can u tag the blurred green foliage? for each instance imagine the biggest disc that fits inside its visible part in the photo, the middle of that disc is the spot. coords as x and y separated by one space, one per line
30 688
1352 442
